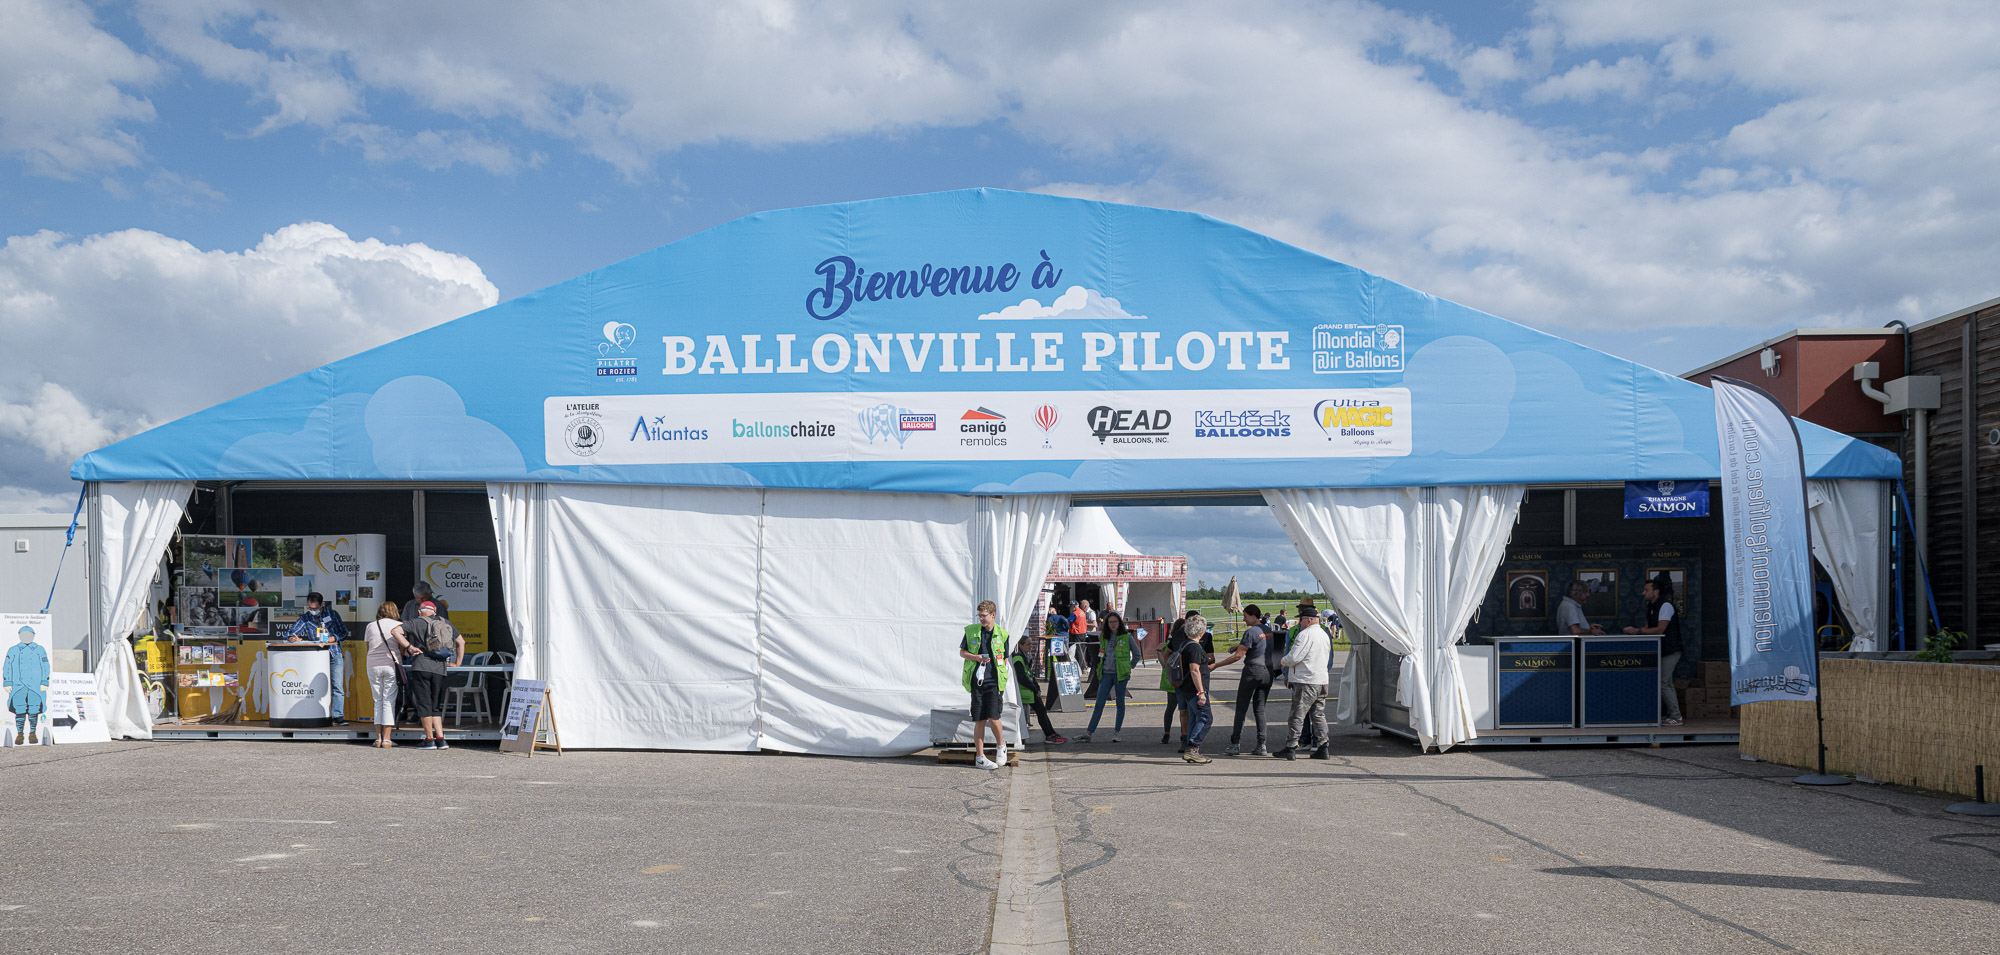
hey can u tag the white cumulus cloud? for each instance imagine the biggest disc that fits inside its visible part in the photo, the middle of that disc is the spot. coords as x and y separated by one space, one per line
1074 303
65 89
111 333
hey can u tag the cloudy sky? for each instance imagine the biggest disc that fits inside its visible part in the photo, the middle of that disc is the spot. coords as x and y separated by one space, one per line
284 184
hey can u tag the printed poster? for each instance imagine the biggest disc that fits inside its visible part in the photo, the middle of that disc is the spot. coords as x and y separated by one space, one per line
25 674
76 713
460 583
524 709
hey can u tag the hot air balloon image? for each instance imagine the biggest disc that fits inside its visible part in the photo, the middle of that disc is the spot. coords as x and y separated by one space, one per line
1045 419
620 334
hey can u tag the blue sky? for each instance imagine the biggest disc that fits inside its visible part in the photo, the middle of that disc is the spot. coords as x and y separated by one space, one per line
1668 182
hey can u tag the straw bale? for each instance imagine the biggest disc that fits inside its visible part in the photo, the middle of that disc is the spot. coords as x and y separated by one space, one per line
1917 724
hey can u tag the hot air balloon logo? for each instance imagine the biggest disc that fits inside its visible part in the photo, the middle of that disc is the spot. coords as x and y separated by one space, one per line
1045 419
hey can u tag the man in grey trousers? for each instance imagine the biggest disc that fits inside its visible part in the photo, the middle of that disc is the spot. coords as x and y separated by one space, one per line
1311 652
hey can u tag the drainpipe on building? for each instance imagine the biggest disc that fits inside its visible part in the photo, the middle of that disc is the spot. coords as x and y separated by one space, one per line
1969 467
1916 395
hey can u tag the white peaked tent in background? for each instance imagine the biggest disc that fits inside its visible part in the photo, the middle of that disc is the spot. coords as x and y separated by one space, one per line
1145 587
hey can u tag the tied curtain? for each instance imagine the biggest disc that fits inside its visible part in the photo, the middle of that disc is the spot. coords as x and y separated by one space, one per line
1846 521
131 523
1406 567
743 619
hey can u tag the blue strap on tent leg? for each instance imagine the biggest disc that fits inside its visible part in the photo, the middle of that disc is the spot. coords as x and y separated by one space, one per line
1922 572
68 539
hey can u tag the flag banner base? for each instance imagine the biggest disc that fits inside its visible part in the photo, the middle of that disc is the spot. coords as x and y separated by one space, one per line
1974 808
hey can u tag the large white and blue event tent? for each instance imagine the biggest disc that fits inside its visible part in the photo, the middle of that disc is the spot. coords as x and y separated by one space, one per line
746 487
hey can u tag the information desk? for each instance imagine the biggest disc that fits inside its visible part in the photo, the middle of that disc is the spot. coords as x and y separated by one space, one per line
1535 681
301 685
1621 681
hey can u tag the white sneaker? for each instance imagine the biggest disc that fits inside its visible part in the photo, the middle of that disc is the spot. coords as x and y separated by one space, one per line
1114 737
984 763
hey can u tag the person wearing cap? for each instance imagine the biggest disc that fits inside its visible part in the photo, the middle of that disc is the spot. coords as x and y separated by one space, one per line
433 638
25 676
319 624
1311 651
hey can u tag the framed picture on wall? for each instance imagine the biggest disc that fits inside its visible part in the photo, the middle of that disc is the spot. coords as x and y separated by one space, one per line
1527 595
1602 604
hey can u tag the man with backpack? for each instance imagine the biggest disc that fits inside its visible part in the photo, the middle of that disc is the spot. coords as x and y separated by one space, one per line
1187 666
439 648
1311 651
1031 694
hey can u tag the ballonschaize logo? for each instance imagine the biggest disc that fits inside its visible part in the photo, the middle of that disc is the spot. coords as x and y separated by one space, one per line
1357 349
982 426
1126 426
618 337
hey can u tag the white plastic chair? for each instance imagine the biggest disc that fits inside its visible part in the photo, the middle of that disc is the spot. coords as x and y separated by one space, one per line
473 689
507 684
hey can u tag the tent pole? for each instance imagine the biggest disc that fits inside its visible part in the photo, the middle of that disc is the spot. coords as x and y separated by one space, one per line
93 531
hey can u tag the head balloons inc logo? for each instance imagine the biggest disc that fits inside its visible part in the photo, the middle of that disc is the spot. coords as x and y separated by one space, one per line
1045 419
618 337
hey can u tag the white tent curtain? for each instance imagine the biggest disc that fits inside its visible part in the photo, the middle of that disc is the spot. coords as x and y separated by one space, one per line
739 619
131 524
1846 521
1014 543
652 627
518 519
1407 567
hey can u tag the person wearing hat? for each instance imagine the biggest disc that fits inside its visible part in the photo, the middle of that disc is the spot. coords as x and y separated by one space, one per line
25 676
439 648
1307 660
319 624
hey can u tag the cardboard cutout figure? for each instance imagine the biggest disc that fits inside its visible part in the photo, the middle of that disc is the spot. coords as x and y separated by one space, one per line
25 677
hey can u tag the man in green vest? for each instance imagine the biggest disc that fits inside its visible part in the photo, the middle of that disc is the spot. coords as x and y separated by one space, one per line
984 650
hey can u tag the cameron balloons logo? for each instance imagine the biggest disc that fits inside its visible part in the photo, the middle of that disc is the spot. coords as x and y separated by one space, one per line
1045 419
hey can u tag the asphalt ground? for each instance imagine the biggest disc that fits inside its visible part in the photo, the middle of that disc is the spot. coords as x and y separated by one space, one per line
323 847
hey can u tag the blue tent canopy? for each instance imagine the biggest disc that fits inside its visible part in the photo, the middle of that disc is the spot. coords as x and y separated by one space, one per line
978 341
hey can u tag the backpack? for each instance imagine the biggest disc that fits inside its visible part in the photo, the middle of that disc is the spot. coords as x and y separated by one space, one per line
440 639
1176 669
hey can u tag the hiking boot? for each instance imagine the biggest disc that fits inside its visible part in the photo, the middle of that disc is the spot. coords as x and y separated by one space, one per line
1321 753
1233 750
1195 758
32 738
20 739
1261 751
1288 753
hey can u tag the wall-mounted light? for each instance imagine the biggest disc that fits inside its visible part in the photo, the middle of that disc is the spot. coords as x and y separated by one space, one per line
1768 360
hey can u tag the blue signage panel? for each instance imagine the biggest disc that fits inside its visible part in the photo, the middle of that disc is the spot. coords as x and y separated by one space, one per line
1536 682
1666 498
1621 680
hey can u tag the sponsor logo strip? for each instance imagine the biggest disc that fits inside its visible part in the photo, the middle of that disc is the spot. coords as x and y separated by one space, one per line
959 426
